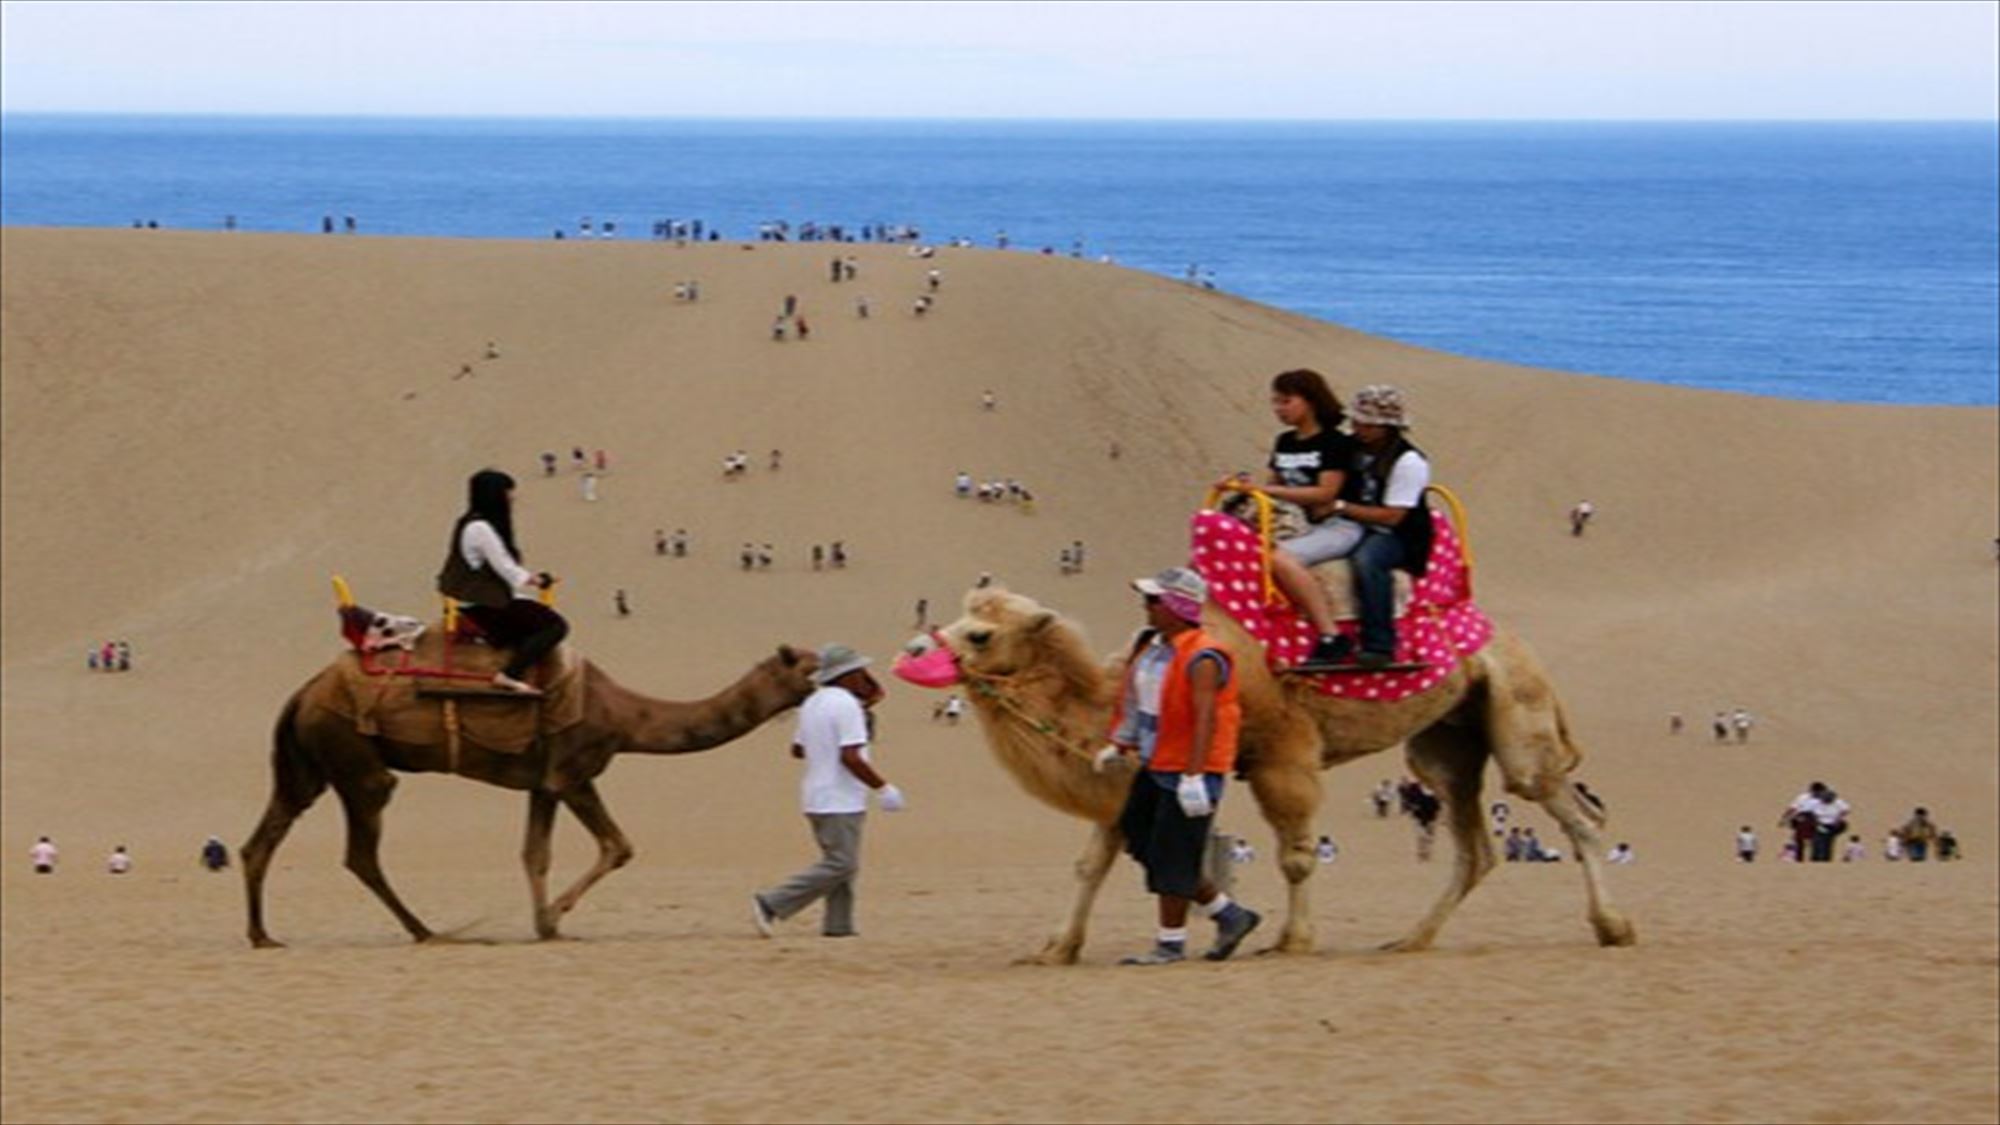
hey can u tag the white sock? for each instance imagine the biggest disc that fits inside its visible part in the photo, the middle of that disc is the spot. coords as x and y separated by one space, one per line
1215 906
1173 937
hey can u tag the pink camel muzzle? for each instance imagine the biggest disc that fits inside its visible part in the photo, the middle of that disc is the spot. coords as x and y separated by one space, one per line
928 662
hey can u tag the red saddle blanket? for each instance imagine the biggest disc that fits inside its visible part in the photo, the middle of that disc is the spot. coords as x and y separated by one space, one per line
1441 626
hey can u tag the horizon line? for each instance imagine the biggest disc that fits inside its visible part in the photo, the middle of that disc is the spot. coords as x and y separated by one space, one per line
317 115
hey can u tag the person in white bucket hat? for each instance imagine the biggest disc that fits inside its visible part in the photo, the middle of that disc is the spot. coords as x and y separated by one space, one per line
832 739
1179 715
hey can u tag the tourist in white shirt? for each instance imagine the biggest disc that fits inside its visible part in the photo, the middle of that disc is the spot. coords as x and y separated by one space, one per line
1620 854
1824 813
120 861
43 856
1746 845
832 740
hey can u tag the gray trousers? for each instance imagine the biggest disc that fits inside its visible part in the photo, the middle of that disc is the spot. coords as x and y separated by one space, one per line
832 878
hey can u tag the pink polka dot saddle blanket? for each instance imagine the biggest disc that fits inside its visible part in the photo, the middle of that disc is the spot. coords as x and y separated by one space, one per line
1441 626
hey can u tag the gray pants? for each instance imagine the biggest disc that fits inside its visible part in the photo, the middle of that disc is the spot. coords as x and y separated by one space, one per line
832 878
1332 538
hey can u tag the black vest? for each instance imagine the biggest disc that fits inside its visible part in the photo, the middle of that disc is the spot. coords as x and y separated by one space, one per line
459 580
1415 531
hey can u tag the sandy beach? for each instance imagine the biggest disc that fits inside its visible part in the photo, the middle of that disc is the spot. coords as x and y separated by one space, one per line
199 429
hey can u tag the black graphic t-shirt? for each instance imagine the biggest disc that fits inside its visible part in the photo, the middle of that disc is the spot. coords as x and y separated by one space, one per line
1297 462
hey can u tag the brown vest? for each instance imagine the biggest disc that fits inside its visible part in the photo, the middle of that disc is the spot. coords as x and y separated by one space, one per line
459 580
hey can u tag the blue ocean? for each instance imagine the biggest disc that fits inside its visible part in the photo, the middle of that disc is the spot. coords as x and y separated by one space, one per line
1848 262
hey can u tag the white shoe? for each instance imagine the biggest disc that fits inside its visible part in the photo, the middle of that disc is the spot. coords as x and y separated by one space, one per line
505 682
767 922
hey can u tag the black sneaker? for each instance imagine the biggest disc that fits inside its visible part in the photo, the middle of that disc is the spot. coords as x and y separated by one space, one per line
1332 650
1231 928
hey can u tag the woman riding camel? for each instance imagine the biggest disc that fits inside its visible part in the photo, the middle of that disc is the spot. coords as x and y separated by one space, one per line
1309 466
482 569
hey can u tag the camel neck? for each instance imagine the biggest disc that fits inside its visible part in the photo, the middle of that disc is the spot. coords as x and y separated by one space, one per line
664 726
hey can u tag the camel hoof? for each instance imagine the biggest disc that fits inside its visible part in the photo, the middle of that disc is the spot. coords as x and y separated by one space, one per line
1051 956
1617 933
266 943
1405 945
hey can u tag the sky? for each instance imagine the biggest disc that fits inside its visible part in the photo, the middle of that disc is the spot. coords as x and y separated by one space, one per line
1907 59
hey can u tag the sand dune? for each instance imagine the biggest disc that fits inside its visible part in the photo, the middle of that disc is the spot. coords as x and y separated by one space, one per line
199 429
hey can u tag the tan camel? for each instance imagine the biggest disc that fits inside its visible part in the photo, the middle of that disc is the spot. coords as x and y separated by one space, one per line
1043 701
317 744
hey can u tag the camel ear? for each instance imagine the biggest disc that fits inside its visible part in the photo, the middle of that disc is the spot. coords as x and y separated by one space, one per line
1040 622
789 655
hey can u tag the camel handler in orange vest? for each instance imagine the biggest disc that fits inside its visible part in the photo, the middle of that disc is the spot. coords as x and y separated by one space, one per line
1178 713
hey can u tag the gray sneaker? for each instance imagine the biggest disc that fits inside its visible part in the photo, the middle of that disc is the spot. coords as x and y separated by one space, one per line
1160 954
1230 930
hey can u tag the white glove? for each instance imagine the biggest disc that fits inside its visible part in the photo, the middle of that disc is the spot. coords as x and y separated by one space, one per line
1105 759
891 798
1193 794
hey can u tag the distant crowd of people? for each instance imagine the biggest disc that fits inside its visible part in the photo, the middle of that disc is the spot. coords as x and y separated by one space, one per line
44 855
1819 823
1732 724
111 656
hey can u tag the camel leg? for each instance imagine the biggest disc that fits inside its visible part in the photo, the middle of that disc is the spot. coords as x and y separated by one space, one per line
535 854
613 849
296 782
1288 795
1091 868
1610 925
1452 761
256 856
364 799
1532 745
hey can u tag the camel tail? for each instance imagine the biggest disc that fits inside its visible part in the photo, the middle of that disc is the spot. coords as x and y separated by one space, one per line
296 779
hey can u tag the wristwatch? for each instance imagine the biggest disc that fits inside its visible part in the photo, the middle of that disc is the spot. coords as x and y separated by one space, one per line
1340 507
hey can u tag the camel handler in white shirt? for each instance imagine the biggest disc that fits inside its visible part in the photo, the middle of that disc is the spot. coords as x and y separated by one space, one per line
832 740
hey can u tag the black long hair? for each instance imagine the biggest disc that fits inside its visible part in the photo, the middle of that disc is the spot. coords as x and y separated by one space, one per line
486 499
1310 385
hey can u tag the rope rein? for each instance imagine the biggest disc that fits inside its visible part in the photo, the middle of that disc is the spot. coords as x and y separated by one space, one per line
1050 730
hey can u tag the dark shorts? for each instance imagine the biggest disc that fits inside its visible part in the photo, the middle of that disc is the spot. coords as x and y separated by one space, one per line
1165 841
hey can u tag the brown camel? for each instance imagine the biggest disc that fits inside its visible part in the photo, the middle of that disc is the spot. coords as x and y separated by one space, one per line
1044 702
318 743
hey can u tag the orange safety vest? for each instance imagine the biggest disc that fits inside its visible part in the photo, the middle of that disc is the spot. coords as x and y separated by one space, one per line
1172 749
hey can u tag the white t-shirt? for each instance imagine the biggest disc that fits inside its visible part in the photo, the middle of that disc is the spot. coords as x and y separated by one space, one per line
1827 813
43 854
829 719
1407 481
119 863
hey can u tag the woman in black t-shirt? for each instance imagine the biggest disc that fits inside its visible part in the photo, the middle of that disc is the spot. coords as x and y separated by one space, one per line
1308 465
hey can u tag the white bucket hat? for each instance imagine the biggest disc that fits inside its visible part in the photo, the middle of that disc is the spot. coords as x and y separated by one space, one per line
835 661
1180 589
1380 405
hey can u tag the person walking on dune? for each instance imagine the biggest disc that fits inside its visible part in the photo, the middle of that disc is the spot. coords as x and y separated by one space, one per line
1178 716
43 856
832 739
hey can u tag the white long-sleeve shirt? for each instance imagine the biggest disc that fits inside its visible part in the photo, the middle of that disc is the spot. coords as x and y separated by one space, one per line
480 546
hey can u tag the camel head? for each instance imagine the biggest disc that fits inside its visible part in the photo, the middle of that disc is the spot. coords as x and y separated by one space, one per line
789 671
1005 635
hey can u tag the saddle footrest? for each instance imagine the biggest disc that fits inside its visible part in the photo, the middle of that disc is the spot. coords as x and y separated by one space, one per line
469 689
1348 669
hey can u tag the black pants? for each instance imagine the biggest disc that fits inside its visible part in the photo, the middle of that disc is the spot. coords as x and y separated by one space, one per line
1167 842
528 628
